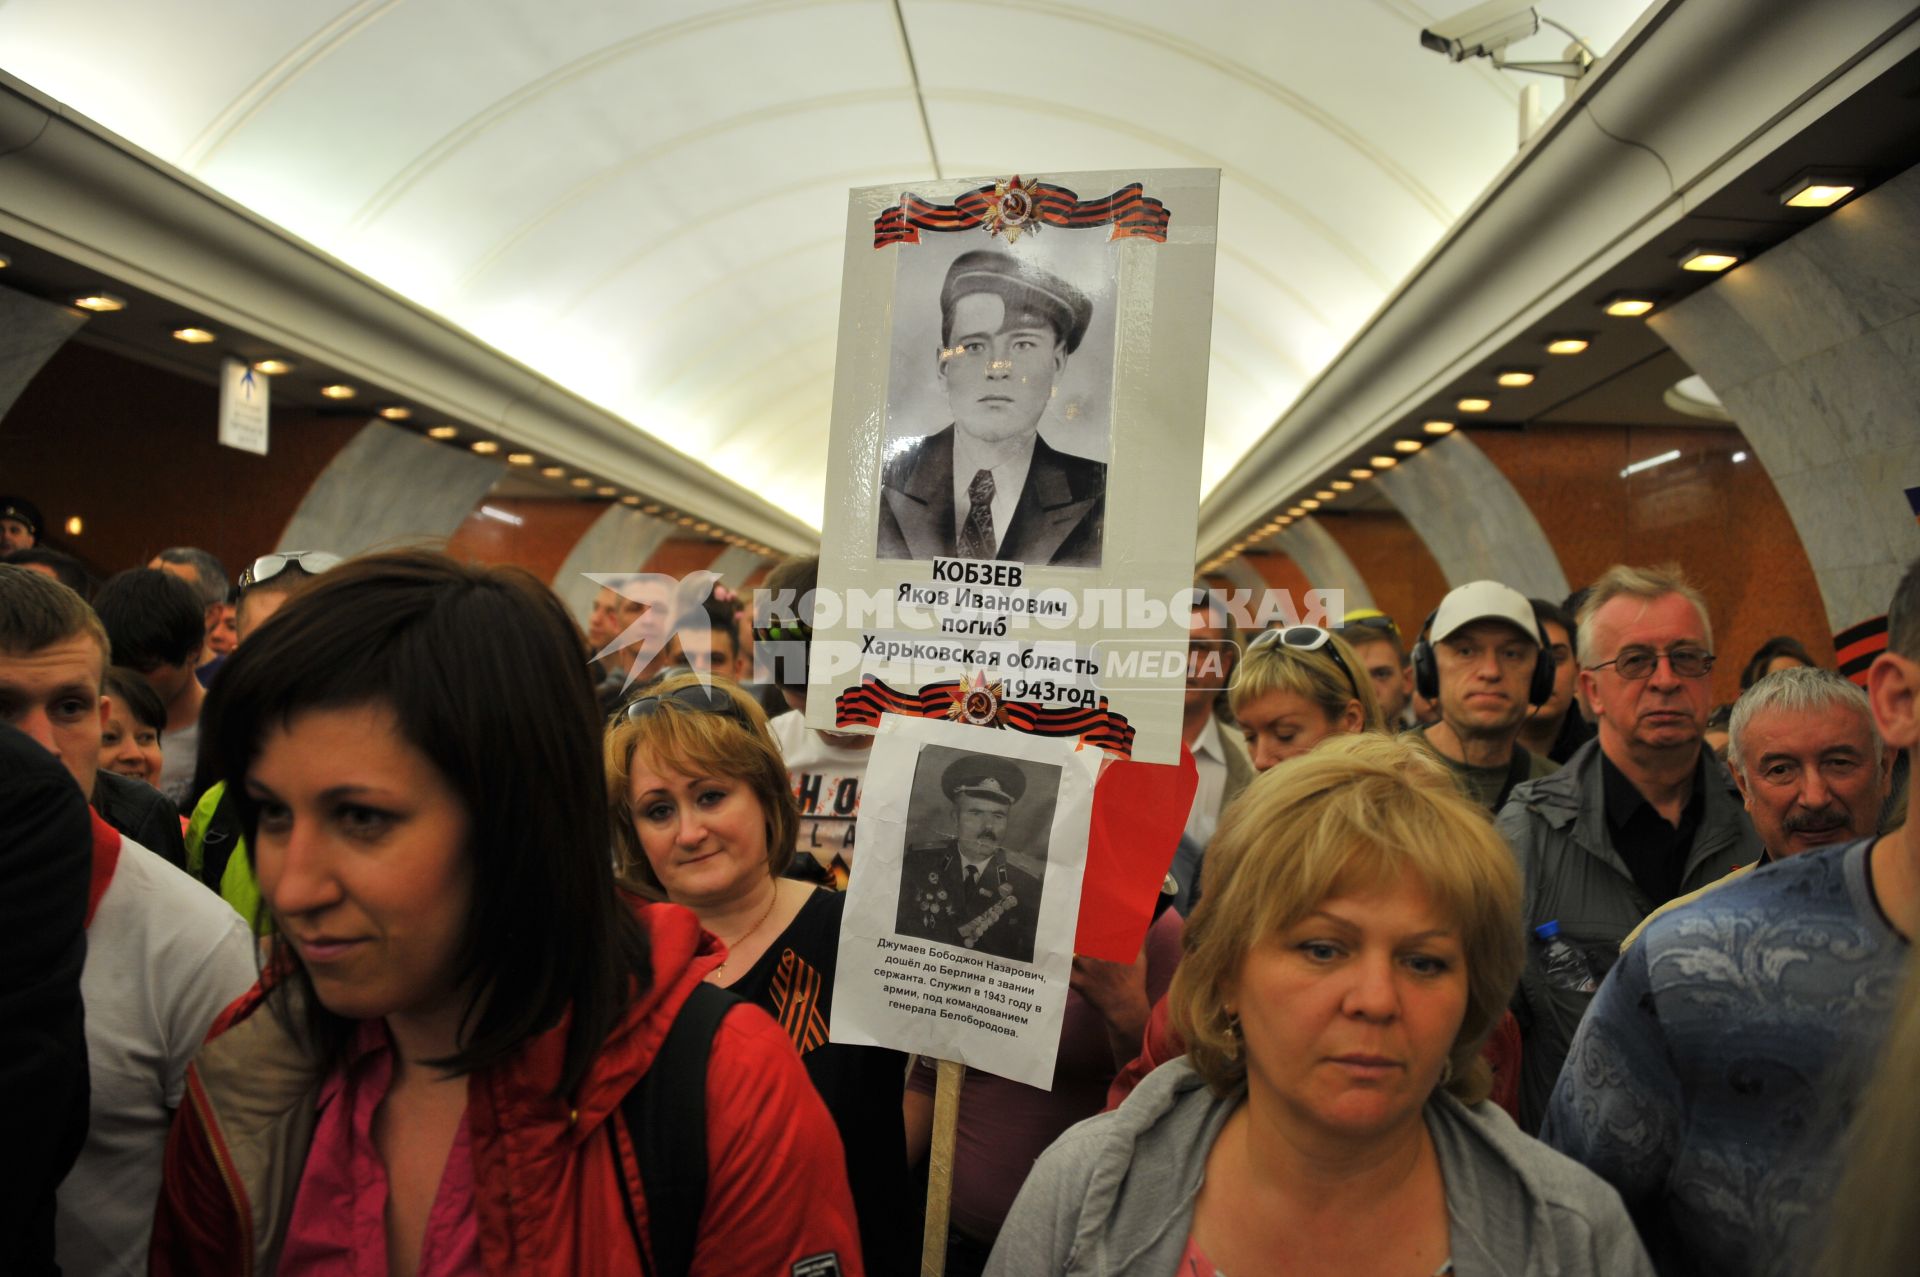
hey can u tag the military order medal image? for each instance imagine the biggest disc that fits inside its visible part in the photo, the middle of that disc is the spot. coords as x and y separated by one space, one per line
975 884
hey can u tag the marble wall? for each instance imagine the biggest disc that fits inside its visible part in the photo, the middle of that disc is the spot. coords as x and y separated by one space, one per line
1814 347
1314 550
31 330
389 488
620 540
1472 520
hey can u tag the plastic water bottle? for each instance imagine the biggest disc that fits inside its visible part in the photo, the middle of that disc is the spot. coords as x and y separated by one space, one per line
1566 966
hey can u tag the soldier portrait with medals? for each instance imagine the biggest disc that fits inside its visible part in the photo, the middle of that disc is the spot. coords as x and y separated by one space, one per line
964 889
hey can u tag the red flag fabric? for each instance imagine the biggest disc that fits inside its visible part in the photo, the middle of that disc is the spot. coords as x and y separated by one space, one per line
1139 812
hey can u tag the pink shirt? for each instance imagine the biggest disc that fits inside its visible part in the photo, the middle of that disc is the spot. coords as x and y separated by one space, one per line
339 1224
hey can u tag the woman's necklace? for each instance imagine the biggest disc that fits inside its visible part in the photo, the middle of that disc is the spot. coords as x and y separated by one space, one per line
745 935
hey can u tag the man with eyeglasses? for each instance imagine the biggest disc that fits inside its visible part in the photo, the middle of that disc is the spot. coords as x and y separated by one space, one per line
1713 1080
1479 661
1637 817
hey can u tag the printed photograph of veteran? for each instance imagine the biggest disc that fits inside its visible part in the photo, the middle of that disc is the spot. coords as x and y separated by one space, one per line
987 486
964 888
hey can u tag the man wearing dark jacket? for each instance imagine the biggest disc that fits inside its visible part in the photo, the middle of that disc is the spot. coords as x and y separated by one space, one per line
44 870
1637 817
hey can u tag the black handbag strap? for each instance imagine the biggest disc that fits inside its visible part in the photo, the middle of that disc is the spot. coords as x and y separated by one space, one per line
666 1115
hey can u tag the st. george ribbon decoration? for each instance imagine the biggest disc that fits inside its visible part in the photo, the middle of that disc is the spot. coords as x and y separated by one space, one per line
1097 725
1013 206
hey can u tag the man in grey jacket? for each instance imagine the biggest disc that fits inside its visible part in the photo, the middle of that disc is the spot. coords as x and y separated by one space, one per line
1637 817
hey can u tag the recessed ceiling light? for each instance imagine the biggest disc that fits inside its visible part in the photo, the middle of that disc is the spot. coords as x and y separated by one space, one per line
1814 189
1739 456
444 432
1341 485
1473 403
554 472
1406 445
1705 258
1437 427
394 412
1515 377
193 336
519 458
581 481
1384 462
685 520
1325 494
76 525
5 261
100 303
605 491
629 499
1294 512
1628 305
1568 345
272 367
339 390
1284 520
1309 503
485 447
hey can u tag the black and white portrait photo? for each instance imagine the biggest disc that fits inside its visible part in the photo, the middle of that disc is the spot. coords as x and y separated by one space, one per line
976 854
999 399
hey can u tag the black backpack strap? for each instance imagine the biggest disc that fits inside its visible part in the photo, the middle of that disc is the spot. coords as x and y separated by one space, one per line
666 1115
1519 767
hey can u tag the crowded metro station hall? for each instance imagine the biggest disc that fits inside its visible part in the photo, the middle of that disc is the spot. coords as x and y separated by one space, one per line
961 638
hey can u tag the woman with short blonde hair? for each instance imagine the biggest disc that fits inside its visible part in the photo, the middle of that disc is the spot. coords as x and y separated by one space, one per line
1359 936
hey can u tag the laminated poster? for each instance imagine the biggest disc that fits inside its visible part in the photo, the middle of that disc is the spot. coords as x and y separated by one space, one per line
957 940
1019 398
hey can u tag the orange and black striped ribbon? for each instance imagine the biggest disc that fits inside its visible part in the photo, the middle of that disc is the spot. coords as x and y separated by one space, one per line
1857 645
796 1002
1130 211
862 706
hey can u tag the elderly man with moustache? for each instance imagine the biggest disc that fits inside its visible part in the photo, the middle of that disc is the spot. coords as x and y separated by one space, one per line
1637 817
1714 1076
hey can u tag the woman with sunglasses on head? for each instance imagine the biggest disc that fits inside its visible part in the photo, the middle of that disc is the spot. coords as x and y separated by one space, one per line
704 816
1360 934
435 1072
1296 686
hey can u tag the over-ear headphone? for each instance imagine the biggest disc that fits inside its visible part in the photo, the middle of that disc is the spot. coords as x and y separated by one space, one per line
1426 670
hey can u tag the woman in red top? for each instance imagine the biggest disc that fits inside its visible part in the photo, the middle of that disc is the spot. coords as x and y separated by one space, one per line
430 1077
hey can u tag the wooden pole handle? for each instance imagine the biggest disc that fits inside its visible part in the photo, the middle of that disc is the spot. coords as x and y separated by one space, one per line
946 1122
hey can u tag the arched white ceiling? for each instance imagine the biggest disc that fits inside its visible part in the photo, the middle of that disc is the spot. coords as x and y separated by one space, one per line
643 199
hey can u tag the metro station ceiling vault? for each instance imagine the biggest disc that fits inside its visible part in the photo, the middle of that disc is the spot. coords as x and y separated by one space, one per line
643 200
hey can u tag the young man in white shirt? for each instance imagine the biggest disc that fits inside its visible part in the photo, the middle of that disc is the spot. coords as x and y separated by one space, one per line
164 954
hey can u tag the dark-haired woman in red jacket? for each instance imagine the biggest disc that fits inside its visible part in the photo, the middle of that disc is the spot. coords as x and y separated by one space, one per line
431 1077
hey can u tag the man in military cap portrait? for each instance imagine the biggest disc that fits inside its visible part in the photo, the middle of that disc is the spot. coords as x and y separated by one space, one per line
988 486
962 890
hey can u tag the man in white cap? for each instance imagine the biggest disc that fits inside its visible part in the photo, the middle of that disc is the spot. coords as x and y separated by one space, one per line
1480 661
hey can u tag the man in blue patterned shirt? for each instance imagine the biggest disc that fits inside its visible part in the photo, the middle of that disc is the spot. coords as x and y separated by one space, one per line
1711 1080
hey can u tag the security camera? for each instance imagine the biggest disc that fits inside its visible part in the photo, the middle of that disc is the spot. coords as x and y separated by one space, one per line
1483 31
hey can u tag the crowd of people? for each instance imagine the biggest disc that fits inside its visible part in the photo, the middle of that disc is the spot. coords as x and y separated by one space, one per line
379 915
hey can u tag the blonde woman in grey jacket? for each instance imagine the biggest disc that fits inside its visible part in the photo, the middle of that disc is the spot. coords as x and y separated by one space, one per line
1358 937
